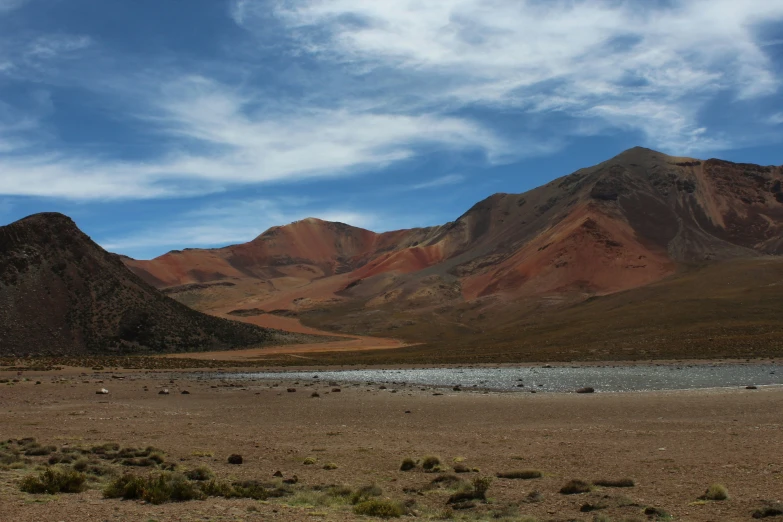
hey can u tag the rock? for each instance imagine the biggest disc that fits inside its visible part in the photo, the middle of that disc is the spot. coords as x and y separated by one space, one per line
457 388
278 474
586 389
235 459
315 395
164 391
291 390
336 390
102 391
292 480
185 392
751 387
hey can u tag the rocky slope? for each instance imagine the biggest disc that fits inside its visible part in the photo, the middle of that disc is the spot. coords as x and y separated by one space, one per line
60 293
622 224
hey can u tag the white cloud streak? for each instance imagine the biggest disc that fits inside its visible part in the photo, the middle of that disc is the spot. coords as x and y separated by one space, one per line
231 222
589 58
451 179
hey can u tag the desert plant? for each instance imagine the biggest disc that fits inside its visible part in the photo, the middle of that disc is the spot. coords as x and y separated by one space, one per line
54 480
574 487
309 461
330 466
379 508
618 483
365 493
429 462
407 464
525 474
200 473
476 491
155 489
716 492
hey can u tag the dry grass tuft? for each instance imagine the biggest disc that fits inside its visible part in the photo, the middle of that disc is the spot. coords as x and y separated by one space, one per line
575 487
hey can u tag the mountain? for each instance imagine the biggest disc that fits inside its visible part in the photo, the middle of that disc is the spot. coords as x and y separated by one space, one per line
60 293
625 223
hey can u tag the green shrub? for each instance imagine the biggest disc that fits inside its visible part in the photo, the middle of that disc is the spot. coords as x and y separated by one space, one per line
574 487
330 466
429 462
476 491
525 474
408 464
155 489
619 483
379 508
53 481
717 492
309 461
200 473
365 493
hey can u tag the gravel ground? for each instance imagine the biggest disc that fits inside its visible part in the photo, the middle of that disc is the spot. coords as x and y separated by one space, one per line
672 444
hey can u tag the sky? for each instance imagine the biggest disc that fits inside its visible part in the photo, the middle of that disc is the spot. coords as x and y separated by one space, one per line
201 123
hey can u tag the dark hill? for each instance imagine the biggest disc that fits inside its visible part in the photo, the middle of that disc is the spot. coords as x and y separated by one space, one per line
60 293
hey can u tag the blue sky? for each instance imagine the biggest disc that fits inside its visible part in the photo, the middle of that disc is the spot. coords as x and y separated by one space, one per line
161 125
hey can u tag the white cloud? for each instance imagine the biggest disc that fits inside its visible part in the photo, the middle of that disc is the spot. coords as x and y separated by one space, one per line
451 179
223 142
776 119
231 222
586 58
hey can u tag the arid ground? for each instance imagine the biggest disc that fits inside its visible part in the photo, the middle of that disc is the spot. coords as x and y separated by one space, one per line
673 445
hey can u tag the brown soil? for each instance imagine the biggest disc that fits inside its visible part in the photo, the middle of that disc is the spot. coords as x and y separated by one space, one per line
672 444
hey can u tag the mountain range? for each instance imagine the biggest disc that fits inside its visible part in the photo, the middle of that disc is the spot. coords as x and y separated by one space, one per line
517 272
62 294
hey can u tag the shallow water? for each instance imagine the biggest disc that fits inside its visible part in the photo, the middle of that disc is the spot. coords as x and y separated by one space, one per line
554 379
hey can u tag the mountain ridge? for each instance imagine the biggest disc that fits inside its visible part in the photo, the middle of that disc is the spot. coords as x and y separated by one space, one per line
620 224
60 293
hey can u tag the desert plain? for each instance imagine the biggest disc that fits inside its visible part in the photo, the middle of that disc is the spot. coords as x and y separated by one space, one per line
672 445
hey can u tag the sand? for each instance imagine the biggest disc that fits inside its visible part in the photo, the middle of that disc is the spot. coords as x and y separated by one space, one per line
673 444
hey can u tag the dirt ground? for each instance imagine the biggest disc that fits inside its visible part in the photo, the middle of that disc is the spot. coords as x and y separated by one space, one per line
672 444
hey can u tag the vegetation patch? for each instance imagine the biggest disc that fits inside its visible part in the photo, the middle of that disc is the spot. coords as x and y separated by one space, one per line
430 462
407 464
155 489
716 492
379 508
619 483
575 487
476 490
525 474
54 480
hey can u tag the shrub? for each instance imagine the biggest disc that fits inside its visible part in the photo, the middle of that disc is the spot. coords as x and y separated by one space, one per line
525 474
213 488
165 487
330 466
768 511
408 464
574 487
476 491
716 492
619 483
53 481
445 481
200 473
365 493
309 461
36 450
429 462
379 508
105 448
235 459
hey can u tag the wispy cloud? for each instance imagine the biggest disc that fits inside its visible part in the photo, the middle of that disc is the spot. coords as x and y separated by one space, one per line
451 179
234 221
219 140
590 58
